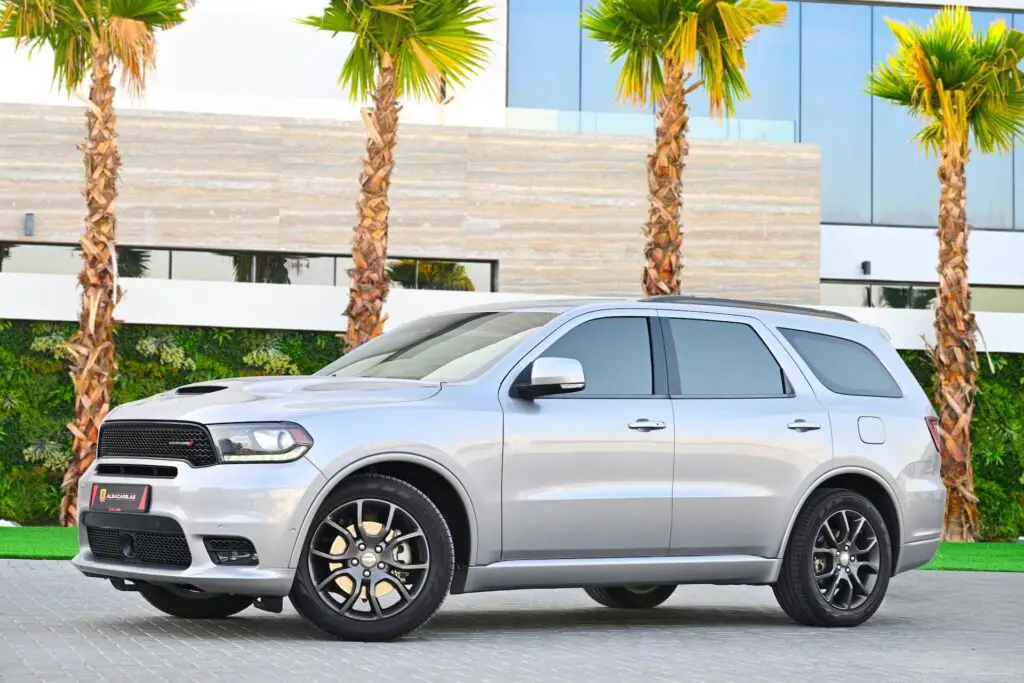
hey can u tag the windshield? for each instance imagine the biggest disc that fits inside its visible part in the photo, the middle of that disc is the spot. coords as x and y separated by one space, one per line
444 348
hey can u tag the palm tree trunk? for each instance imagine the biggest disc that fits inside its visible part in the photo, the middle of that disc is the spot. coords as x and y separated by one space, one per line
665 185
369 282
93 357
955 354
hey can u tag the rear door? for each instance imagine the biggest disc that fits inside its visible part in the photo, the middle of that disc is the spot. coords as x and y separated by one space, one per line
750 434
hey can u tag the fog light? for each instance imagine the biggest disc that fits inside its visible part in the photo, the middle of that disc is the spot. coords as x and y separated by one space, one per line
236 558
237 552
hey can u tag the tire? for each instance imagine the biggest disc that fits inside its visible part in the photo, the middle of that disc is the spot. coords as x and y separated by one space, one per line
629 597
379 624
799 593
186 605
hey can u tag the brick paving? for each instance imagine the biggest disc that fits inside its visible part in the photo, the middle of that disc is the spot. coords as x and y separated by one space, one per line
56 625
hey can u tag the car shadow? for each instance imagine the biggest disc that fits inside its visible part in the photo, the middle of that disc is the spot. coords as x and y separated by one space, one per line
455 623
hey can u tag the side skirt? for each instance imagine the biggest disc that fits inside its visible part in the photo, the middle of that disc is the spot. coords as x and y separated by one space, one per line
721 570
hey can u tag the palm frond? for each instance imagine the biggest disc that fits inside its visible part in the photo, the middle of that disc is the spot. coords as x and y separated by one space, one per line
962 84
429 43
67 27
703 36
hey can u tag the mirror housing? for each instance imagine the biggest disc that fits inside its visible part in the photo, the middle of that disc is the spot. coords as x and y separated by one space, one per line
551 376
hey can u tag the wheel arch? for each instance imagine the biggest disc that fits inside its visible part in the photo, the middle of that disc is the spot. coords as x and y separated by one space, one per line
870 485
436 481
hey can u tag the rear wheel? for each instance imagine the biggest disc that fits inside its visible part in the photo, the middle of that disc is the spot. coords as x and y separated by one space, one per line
631 597
378 561
188 604
838 561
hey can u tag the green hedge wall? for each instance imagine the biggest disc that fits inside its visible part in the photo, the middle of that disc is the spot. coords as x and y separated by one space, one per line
37 396
997 431
36 402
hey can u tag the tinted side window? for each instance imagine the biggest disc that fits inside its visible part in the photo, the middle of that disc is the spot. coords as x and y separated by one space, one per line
843 366
720 359
615 354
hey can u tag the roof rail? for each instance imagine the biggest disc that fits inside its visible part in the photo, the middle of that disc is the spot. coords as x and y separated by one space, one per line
754 305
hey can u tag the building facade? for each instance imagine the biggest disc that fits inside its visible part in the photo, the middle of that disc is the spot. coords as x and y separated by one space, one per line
244 152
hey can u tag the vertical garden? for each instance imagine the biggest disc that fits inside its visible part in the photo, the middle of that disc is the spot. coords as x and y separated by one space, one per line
37 396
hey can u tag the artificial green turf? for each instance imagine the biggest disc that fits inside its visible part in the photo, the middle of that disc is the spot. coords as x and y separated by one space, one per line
979 557
38 543
55 543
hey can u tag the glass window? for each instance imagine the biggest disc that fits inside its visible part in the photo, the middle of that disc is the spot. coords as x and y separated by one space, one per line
998 299
209 266
430 274
544 54
442 348
989 176
773 77
721 359
615 354
835 110
45 259
343 264
843 366
286 269
992 299
605 111
481 275
904 186
1018 160
143 263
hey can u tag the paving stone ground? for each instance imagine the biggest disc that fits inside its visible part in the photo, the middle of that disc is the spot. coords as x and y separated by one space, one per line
56 625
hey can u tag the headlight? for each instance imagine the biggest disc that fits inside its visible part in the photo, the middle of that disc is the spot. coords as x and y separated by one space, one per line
273 442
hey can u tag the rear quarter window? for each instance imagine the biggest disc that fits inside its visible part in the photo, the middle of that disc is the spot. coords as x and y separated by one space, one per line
843 366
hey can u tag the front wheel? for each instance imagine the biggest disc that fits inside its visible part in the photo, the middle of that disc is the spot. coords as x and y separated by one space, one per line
188 604
630 597
378 561
838 561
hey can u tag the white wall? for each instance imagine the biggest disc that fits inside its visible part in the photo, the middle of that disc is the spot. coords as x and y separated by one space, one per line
30 296
307 307
912 254
251 57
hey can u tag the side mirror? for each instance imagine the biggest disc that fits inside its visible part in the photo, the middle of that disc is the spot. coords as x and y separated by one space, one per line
550 376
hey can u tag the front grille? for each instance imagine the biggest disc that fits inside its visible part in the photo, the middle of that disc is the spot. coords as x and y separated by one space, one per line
140 471
171 440
140 547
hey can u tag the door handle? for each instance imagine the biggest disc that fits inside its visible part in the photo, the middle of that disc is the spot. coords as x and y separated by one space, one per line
645 425
803 426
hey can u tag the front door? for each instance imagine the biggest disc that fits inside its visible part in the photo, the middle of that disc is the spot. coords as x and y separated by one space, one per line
590 474
750 435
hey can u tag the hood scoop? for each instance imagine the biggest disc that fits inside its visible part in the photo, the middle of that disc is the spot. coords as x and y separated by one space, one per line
199 390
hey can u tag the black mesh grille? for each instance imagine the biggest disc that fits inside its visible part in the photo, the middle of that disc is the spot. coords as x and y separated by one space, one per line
171 440
143 547
226 545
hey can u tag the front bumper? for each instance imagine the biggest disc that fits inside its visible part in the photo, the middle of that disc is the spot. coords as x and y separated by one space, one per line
264 503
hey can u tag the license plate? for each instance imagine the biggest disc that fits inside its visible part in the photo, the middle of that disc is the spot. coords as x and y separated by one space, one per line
120 498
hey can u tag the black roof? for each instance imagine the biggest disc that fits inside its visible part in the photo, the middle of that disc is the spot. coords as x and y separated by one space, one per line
754 305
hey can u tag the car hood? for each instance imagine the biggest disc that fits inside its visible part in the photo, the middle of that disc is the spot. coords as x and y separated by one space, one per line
260 399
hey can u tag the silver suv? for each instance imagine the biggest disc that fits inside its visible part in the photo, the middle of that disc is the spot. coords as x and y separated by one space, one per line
624 447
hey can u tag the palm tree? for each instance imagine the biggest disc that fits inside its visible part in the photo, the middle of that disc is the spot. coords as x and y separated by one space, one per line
89 39
400 48
415 274
664 44
964 86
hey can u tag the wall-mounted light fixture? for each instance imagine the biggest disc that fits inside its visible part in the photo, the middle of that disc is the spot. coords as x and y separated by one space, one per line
30 225
865 267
